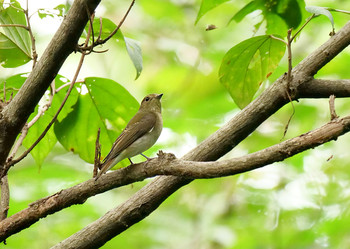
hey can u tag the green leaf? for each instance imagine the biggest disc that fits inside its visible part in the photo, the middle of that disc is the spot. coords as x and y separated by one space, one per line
290 12
44 147
102 103
15 45
62 8
42 13
247 65
249 8
135 54
207 5
320 11
279 15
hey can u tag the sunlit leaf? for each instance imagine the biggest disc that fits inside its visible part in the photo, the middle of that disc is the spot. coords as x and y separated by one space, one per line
102 103
247 65
42 13
135 53
320 11
15 45
62 8
206 6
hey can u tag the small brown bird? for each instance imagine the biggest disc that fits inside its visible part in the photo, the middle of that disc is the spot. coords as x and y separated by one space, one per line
140 134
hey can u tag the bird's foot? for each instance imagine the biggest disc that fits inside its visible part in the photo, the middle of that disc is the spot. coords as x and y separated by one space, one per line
148 158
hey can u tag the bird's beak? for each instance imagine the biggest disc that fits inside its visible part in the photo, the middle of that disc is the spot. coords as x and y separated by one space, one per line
159 96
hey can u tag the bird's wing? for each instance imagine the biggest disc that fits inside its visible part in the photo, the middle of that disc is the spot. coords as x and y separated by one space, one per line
136 128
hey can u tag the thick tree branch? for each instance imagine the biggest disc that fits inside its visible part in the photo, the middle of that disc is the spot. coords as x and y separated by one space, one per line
99 231
146 200
16 113
317 88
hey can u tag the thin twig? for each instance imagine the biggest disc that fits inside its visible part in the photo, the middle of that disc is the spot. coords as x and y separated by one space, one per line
279 39
14 25
289 79
120 23
338 10
290 66
26 127
32 38
18 144
99 41
5 91
332 108
97 161
100 31
302 27
291 116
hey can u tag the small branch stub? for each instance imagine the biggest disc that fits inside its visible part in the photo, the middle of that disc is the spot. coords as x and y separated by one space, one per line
332 108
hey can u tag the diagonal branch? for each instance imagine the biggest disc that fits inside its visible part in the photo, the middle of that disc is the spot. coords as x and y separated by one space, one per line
146 200
167 165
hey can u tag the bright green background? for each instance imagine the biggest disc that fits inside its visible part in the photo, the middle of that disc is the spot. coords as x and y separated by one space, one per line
302 202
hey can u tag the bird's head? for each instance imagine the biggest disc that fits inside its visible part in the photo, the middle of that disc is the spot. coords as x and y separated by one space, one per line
151 102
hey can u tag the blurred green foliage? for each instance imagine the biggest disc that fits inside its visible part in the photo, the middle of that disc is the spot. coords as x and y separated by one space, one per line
302 202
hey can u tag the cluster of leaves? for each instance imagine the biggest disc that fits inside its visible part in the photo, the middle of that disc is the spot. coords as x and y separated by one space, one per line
88 107
246 65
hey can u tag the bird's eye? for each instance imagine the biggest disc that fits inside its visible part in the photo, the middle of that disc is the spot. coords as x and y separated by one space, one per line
147 98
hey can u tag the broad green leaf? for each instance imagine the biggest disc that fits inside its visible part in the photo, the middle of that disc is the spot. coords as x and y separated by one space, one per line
275 25
290 12
102 103
135 53
44 147
320 11
132 47
247 65
15 45
207 5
